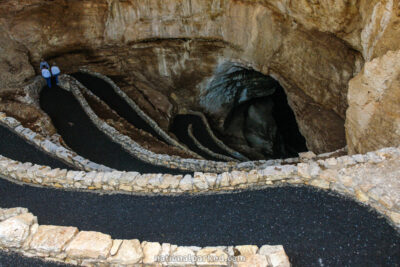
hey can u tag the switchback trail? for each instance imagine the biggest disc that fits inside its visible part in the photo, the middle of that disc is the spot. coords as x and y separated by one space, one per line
82 136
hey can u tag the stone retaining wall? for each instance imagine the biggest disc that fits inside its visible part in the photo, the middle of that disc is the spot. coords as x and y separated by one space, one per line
155 126
174 162
33 90
89 93
371 179
55 150
139 111
220 144
21 233
205 149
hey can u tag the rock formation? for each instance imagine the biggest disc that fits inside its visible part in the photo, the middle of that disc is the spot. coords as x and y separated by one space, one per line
164 53
373 118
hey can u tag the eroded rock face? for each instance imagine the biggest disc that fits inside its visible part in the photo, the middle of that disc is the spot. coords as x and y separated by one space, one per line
373 118
15 67
313 48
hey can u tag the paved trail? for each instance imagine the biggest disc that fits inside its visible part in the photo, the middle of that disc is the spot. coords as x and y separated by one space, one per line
312 226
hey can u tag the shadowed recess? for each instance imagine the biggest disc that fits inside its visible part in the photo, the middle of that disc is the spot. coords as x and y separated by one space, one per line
202 135
180 126
316 228
255 111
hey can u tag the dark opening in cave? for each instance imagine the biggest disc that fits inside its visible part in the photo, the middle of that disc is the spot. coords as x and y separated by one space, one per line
259 118
287 125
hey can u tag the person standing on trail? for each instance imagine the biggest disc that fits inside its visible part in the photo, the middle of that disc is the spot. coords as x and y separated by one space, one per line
43 64
55 71
47 76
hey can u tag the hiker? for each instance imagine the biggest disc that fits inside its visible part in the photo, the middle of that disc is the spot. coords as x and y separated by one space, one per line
43 64
55 71
47 76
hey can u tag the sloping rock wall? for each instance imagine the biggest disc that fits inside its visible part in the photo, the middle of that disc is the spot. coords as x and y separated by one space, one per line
312 47
373 119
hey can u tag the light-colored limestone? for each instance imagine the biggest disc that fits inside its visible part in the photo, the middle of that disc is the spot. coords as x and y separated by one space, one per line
130 252
15 230
247 250
200 181
373 117
115 246
8 213
238 178
89 244
212 256
186 184
307 155
320 183
150 251
182 256
255 260
361 196
52 239
276 254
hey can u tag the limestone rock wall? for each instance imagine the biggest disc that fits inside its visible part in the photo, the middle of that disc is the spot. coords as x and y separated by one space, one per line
312 47
373 119
14 62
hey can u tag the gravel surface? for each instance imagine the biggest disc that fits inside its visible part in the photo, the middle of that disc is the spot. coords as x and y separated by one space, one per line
16 260
14 147
106 93
83 137
316 228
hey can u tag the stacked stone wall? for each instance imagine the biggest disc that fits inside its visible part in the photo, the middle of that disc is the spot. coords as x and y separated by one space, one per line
173 162
371 179
21 233
48 146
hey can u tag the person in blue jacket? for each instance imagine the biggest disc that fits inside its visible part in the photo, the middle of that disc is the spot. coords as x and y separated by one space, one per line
55 71
43 64
47 76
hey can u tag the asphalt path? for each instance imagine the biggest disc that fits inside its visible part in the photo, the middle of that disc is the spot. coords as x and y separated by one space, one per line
14 147
82 136
316 228
17 260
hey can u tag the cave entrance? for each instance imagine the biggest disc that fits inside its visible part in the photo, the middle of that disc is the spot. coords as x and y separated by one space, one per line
258 120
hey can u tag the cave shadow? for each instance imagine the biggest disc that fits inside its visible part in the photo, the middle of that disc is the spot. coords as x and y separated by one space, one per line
257 94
